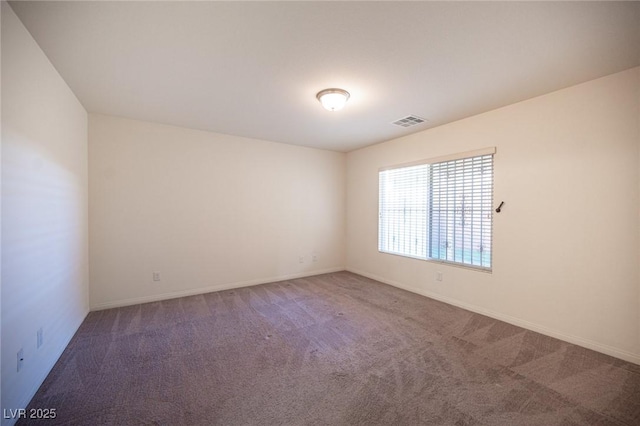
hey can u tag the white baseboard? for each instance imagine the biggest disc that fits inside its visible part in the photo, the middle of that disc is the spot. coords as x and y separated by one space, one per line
589 344
209 289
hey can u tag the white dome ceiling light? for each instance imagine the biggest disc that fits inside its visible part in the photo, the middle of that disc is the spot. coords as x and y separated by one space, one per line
333 99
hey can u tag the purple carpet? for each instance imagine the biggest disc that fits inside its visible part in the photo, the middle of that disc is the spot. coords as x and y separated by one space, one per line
334 349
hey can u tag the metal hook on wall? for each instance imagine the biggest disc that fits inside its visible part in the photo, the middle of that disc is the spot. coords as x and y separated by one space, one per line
500 207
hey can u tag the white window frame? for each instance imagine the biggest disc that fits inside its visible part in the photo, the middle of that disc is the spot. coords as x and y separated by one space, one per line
406 209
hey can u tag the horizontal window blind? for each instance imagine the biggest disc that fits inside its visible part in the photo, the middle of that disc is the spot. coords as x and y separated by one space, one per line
460 211
441 210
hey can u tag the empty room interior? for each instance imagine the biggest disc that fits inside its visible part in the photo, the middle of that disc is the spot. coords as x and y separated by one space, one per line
340 213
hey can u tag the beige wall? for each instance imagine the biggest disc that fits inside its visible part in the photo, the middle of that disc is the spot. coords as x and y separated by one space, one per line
207 211
566 245
44 213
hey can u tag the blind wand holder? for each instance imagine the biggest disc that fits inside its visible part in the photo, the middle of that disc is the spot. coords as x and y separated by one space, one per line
500 207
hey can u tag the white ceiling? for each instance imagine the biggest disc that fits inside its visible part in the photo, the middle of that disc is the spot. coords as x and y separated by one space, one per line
253 68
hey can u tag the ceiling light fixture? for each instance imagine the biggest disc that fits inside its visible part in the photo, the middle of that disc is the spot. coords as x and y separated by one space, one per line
333 99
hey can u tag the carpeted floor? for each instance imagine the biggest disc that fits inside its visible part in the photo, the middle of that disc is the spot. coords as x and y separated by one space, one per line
335 349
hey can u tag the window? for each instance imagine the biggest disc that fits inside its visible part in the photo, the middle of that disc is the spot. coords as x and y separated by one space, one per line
439 210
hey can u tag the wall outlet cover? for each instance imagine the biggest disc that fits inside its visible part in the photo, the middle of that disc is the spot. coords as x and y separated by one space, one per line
20 359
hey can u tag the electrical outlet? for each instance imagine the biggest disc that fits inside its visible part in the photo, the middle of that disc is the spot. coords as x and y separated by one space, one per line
301 259
39 337
314 257
438 276
156 276
20 359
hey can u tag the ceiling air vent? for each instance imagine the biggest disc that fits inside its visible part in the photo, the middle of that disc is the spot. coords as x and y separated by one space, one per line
408 121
